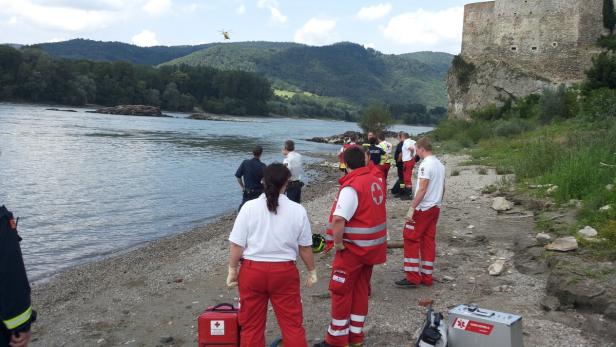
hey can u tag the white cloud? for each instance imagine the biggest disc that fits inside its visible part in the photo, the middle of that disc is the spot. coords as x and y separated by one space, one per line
369 45
316 32
241 9
55 15
56 39
145 38
12 21
157 7
427 30
190 8
374 12
274 8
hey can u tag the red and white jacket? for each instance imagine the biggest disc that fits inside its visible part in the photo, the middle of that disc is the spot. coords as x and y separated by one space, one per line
365 235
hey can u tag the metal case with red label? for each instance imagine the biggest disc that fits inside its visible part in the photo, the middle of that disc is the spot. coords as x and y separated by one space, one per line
470 326
218 326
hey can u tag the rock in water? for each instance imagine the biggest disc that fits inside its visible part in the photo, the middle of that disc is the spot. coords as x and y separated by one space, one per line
588 232
543 238
132 110
497 267
563 244
501 204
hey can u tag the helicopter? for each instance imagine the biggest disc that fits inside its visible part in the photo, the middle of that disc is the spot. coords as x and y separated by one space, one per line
226 34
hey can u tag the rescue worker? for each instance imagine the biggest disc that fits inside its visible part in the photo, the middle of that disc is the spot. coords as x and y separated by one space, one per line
386 160
268 234
16 311
249 176
419 231
398 187
358 232
352 142
293 161
408 162
376 152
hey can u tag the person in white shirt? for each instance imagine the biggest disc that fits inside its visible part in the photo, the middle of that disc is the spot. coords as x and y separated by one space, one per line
408 161
268 235
293 161
420 228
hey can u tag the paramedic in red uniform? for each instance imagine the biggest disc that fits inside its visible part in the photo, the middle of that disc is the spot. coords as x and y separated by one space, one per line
420 227
358 232
268 235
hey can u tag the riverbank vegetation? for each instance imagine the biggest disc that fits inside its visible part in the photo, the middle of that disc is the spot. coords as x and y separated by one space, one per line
33 76
563 138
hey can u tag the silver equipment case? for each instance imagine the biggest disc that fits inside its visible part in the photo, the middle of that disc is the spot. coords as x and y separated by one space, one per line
470 326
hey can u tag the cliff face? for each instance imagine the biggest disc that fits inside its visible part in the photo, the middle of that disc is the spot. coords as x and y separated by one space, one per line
519 47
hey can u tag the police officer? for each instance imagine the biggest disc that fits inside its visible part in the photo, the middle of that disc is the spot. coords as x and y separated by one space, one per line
358 232
16 311
249 176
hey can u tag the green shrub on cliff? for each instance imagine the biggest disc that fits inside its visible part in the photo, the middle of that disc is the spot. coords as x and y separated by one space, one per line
463 71
599 104
609 16
602 74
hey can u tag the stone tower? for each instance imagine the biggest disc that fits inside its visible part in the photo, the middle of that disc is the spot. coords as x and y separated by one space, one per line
519 47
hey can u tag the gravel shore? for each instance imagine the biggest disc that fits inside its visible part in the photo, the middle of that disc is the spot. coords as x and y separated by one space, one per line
152 296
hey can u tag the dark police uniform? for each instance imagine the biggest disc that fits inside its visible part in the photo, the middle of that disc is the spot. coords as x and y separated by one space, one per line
399 165
16 311
252 171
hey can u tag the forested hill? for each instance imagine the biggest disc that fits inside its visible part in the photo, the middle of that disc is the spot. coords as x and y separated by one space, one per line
344 70
117 51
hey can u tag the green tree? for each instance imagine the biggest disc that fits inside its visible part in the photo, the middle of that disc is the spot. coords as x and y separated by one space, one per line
609 16
602 74
376 118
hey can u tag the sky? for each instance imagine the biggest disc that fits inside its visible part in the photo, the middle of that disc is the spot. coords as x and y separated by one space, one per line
399 26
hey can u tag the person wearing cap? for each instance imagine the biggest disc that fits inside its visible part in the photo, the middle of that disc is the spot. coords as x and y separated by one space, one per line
268 235
249 176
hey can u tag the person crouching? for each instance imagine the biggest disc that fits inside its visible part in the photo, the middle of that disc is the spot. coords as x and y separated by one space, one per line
268 234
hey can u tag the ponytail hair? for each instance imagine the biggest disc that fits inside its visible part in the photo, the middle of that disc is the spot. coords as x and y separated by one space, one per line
275 176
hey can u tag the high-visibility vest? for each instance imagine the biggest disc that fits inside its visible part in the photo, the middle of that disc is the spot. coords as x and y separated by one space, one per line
346 146
365 235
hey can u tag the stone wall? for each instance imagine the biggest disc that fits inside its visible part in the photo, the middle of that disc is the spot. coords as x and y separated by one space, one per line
551 41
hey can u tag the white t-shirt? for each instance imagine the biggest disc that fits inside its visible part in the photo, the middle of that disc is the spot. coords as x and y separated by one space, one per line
271 237
347 203
293 161
408 150
433 170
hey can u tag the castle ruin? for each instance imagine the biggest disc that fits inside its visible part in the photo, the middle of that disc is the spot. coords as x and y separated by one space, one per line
519 47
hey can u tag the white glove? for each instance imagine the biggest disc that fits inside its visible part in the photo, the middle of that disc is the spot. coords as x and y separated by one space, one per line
312 278
232 277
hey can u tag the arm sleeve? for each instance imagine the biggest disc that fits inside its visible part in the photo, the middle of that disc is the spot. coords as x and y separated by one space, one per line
15 307
425 172
305 236
240 170
347 203
239 233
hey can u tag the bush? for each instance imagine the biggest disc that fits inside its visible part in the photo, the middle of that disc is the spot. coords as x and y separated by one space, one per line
553 105
376 118
463 71
512 127
599 104
602 74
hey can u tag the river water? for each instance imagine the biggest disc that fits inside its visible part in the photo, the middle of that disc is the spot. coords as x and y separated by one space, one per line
86 185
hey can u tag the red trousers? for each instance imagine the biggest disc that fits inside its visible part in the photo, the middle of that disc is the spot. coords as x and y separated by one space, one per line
385 169
420 246
408 173
350 288
260 282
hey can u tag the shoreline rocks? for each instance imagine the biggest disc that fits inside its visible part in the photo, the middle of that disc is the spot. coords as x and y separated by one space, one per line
132 110
339 139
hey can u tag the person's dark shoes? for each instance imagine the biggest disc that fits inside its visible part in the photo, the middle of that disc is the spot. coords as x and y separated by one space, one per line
404 283
406 196
322 344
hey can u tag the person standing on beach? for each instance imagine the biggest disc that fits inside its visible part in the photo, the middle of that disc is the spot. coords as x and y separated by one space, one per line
293 161
398 188
420 228
249 176
358 232
16 313
408 163
268 235
386 160
375 151
352 142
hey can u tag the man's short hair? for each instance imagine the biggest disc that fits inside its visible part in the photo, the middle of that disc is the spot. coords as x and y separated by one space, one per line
257 151
353 138
355 157
381 136
424 143
289 145
403 134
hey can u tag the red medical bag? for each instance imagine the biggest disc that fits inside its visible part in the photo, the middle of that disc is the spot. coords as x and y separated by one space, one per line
218 326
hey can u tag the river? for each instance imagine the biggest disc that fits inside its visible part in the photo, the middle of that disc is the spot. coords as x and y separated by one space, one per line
87 185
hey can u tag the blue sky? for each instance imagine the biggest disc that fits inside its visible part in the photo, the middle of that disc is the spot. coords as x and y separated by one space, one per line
388 26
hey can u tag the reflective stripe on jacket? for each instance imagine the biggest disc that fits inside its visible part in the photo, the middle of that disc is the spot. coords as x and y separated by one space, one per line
365 234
